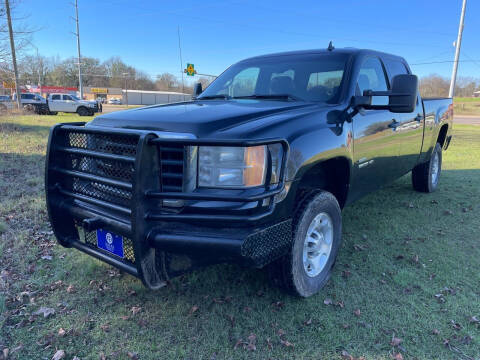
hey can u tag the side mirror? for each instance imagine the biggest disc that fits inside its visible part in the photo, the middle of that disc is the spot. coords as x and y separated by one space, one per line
402 98
404 94
197 89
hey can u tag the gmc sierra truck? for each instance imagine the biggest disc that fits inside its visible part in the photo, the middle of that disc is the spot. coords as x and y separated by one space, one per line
254 170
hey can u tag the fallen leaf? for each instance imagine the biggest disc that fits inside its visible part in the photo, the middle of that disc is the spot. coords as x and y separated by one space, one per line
415 259
269 344
474 320
105 327
346 273
448 212
346 326
360 247
76 358
124 317
278 304
327 301
395 341
397 356
286 343
346 355
60 354
132 355
456 325
5 352
357 312
308 322
135 310
281 332
70 289
340 304
252 339
194 309
132 292
435 332
45 311
238 343
46 257
61 332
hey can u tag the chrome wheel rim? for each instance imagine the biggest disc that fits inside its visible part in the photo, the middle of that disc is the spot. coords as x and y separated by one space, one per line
318 244
435 168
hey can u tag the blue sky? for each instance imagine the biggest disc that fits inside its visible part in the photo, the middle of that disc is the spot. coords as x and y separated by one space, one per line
215 34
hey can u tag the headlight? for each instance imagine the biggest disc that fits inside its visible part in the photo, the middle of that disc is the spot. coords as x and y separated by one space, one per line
239 167
234 167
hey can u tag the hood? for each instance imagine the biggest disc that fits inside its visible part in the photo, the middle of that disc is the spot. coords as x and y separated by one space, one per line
87 101
201 118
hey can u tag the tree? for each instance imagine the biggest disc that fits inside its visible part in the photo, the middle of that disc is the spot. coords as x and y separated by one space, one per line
434 86
167 82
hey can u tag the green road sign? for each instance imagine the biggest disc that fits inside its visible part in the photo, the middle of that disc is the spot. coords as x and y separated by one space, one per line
190 70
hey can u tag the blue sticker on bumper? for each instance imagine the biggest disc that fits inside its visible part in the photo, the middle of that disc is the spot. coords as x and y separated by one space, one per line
110 242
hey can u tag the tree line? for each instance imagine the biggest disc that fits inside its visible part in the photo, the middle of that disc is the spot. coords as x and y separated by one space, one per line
52 71
437 86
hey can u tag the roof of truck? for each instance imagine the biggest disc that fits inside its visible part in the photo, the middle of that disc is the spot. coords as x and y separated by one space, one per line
347 50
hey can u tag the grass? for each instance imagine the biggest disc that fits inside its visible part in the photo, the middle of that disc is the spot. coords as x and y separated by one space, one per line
409 263
466 106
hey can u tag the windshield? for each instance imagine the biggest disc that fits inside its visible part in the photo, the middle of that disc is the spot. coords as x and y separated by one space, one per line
310 77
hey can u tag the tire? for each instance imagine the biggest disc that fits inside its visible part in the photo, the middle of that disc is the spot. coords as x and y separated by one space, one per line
295 272
83 111
425 176
29 108
52 112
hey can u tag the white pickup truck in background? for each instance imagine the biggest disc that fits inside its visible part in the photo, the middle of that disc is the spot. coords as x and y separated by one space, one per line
71 104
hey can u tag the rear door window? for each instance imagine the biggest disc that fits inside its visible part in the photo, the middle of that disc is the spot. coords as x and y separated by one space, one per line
56 97
394 68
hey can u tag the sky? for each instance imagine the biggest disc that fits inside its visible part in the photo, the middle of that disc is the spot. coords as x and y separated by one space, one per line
215 34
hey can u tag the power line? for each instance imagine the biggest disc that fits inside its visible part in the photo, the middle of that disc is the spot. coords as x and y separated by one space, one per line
445 62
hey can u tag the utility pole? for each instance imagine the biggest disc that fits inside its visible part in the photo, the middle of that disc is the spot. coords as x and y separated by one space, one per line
451 93
181 61
14 58
126 91
80 86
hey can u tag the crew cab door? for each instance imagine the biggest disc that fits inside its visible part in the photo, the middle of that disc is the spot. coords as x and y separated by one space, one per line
69 104
409 129
374 136
55 103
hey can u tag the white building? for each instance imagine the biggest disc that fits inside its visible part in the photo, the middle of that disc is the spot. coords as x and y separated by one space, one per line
146 97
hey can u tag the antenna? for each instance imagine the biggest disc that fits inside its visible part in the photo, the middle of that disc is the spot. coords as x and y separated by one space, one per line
330 46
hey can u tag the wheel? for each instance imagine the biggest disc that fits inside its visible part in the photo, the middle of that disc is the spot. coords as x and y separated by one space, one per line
317 235
29 108
52 112
425 176
83 111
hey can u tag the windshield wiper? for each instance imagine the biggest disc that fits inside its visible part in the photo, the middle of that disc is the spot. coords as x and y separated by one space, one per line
270 96
211 97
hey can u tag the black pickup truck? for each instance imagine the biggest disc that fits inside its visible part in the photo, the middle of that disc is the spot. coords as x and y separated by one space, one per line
254 170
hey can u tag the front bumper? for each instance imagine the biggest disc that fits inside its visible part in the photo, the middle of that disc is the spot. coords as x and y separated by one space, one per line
117 180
